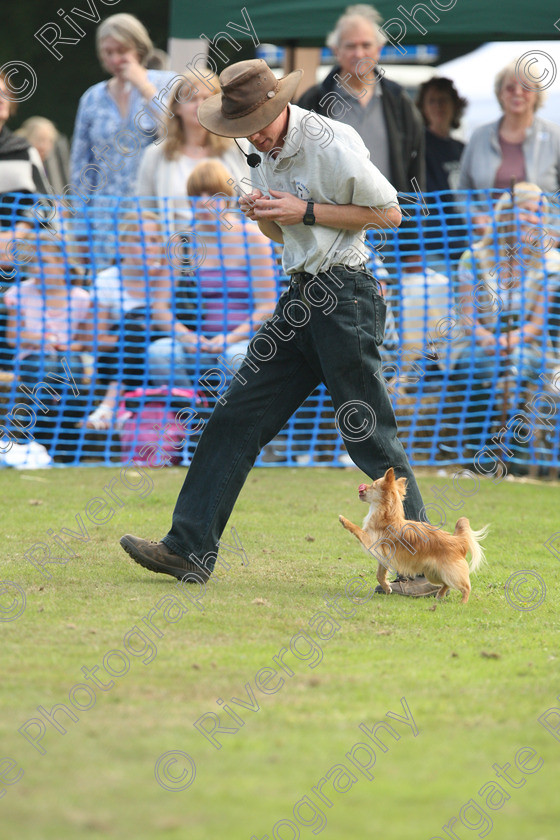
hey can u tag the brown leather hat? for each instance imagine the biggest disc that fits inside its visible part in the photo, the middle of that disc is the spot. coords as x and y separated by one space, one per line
251 98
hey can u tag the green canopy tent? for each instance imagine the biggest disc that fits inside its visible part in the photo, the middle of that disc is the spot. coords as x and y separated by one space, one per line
456 25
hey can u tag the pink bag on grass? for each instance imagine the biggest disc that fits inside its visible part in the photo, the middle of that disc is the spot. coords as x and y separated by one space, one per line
151 434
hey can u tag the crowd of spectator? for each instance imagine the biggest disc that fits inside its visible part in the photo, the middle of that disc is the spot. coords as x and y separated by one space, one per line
100 290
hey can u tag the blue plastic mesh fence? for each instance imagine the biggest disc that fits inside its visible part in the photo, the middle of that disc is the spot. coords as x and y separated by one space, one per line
122 322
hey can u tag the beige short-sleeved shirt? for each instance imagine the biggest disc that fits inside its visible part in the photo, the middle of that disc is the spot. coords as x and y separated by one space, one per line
326 161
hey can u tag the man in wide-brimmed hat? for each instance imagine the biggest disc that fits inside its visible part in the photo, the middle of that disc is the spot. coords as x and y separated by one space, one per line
315 190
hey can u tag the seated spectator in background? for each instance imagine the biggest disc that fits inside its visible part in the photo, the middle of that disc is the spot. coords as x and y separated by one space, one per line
48 326
421 298
519 146
442 108
165 167
107 141
140 339
503 304
357 93
236 283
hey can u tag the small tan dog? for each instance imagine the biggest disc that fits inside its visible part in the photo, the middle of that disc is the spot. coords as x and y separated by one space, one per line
414 548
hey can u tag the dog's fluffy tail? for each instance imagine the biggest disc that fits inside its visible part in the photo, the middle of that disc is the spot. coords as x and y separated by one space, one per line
473 539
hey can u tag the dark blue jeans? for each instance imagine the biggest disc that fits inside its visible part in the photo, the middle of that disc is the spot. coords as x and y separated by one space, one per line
337 344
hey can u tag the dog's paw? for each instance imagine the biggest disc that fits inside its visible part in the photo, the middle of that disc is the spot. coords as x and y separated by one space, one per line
343 521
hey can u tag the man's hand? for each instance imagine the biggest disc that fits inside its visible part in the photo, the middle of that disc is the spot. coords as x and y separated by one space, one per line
284 208
247 203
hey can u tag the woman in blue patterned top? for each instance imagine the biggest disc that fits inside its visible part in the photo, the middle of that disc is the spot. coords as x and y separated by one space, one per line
117 118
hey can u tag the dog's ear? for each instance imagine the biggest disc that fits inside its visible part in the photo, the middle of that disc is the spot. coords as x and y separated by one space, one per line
401 486
389 476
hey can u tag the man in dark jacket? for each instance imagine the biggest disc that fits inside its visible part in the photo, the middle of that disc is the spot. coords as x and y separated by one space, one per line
355 92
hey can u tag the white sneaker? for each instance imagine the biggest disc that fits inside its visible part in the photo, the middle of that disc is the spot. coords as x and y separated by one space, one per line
345 460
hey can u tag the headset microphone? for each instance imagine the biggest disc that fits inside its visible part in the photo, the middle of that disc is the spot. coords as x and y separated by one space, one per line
253 159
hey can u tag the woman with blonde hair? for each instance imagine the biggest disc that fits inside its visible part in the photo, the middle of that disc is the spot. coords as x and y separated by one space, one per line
505 286
166 165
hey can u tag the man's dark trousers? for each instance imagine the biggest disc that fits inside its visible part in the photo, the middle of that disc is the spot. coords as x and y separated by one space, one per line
339 345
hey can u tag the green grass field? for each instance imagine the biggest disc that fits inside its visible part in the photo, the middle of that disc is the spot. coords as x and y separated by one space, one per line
476 678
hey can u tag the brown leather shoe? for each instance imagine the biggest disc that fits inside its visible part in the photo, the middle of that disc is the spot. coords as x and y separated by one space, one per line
417 587
158 557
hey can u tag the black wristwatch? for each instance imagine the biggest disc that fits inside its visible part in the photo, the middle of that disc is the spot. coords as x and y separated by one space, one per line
309 215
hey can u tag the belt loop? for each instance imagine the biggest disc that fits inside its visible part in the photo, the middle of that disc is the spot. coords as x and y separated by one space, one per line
299 278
